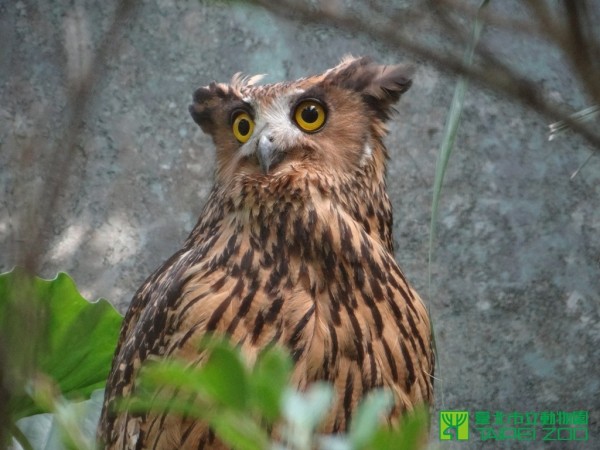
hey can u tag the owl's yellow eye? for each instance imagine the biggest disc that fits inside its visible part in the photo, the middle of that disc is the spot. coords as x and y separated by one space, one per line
310 116
243 126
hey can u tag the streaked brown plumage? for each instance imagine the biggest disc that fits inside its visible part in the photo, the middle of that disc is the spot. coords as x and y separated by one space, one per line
294 246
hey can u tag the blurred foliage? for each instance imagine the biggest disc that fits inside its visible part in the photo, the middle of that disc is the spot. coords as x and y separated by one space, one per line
57 349
70 424
55 346
243 405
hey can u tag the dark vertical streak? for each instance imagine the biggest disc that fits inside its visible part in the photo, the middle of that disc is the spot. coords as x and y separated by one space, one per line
410 379
348 393
217 314
391 360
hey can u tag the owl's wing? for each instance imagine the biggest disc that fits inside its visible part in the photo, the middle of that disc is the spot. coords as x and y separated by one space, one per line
141 334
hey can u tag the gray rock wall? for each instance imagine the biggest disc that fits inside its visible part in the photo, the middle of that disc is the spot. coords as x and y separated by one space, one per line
515 284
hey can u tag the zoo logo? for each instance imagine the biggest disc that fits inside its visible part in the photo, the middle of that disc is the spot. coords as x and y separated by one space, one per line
454 425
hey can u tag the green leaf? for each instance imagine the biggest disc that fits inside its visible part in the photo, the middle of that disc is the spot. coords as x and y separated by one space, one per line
239 430
221 381
218 392
174 373
168 386
364 423
409 435
225 377
47 327
268 380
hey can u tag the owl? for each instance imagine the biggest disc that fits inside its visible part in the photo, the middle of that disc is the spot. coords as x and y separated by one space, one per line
293 247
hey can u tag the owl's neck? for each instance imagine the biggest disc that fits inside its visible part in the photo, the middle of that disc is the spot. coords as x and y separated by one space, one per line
258 205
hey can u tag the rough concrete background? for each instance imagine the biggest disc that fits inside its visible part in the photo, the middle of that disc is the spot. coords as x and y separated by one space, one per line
515 286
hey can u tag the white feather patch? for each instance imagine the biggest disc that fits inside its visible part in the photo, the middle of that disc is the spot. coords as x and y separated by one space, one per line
367 154
273 119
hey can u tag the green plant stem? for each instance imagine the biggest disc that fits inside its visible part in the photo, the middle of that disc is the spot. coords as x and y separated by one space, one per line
450 131
20 437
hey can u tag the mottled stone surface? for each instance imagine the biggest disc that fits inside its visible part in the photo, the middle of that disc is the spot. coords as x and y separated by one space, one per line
515 283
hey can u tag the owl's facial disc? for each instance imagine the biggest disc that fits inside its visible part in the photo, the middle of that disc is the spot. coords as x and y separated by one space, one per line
278 128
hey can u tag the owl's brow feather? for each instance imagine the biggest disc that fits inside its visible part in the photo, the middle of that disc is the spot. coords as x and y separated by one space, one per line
237 105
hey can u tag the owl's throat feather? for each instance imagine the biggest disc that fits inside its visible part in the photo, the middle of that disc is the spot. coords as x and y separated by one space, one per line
292 207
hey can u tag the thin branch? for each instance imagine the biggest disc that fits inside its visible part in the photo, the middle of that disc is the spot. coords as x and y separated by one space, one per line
545 20
492 19
578 49
499 78
80 97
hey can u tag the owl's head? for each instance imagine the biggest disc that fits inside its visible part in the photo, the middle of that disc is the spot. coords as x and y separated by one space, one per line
334 120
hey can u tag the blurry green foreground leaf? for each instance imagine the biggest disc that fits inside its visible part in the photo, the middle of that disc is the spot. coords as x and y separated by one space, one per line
410 435
47 327
225 377
71 426
234 401
372 409
268 381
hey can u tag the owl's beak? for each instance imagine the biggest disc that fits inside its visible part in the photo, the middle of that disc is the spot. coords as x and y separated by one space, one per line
267 153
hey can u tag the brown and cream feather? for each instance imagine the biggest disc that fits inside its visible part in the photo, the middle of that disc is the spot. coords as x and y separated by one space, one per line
294 250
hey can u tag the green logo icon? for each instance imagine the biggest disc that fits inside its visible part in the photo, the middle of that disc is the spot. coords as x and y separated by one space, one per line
454 425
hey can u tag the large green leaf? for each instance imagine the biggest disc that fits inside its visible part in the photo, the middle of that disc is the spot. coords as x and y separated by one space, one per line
48 328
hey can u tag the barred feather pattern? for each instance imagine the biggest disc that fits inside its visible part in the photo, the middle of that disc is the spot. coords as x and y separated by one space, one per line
286 263
302 258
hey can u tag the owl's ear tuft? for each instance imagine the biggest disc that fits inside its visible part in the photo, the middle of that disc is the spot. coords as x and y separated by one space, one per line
380 85
206 101
203 107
